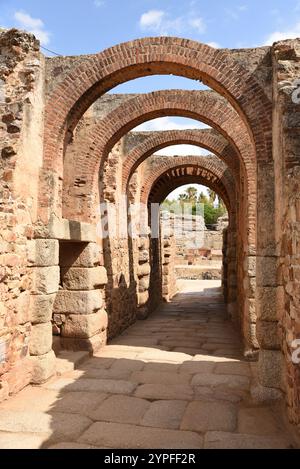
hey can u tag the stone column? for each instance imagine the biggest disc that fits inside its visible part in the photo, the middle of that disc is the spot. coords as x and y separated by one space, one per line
143 274
43 257
250 317
231 257
168 250
225 265
79 315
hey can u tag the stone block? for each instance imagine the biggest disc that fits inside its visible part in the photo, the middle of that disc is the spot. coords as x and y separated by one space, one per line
67 230
226 381
270 368
92 344
143 256
44 280
249 284
261 394
143 298
84 326
203 416
250 334
43 367
165 392
40 339
117 435
57 426
78 302
250 310
143 243
164 414
227 440
250 266
143 270
266 271
22 307
122 409
82 278
266 303
41 308
144 283
80 255
43 252
268 335
18 376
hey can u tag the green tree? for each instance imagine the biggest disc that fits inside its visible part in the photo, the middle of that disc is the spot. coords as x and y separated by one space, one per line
191 193
202 199
212 195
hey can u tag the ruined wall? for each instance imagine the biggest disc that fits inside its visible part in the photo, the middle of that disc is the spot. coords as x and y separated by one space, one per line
119 248
282 314
21 127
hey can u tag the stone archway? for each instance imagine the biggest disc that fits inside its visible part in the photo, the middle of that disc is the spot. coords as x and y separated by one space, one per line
152 142
205 106
161 175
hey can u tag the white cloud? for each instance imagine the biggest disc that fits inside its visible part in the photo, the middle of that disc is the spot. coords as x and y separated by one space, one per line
215 45
167 123
182 150
160 22
99 3
292 33
152 20
33 25
198 24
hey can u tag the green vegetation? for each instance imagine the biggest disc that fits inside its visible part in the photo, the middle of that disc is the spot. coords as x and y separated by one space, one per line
214 207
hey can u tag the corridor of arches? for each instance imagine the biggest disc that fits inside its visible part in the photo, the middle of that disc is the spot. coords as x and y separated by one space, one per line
122 349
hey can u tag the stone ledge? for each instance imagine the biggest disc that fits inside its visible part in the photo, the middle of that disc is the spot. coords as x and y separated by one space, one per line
67 230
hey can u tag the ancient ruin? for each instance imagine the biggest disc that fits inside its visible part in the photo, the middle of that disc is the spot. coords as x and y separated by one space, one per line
69 291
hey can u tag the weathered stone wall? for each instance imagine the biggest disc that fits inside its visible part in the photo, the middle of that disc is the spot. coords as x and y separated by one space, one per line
119 247
280 318
21 107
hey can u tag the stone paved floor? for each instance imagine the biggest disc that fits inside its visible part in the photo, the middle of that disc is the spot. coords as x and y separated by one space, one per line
176 380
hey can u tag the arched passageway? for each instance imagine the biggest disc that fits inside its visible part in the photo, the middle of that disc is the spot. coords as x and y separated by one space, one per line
60 269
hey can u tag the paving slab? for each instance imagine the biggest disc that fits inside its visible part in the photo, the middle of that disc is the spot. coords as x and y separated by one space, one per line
203 416
223 440
164 391
116 435
164 414
122 409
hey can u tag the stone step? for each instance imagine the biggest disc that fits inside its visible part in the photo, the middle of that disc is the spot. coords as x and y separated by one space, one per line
67 361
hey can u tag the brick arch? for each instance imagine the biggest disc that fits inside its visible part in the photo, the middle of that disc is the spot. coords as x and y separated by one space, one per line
98 73
206 106
205 138
170 173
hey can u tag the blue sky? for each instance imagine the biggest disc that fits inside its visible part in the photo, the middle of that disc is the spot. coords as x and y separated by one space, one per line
72 27
88 26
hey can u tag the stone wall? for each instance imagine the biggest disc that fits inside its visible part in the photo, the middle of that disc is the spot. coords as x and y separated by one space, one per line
120 257
21 107
280 319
